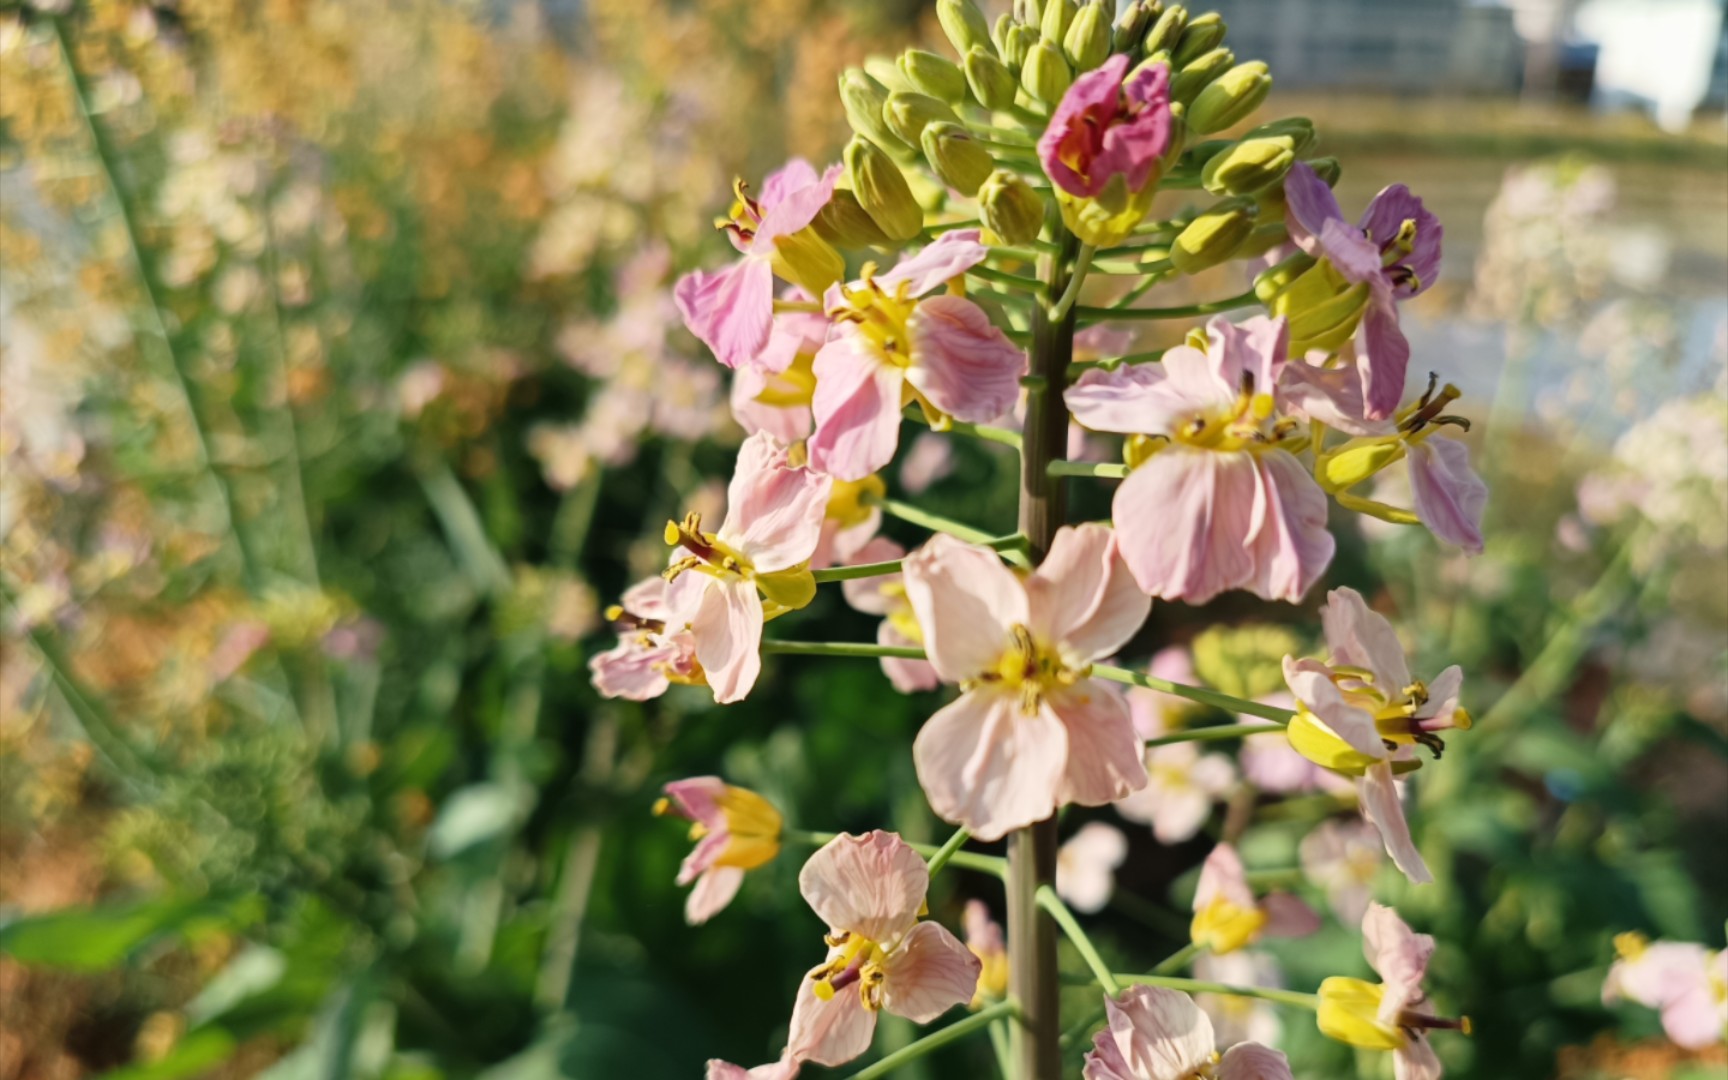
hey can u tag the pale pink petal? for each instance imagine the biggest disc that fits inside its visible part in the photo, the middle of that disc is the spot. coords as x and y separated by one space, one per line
1223 877
928 973
1162 1034
947 257
1293 547
1448 494
696 798
1443 691
714 890
1331 396
1104 1061
967 603
731 309
1309 682
1288 916
986 766
961 361
865 594
1253 351
830 1032
1105 758
774 510
796 175
1251 1061
930 459
1416 1060
1182 522
1082 596
872 885
787 423
856 409
906 676
784 1069
1359 636
1086 866
1385 810
792 209
728 634
632 671
1662 968
1134 399
1180 814
1152 709
1694 1015
1213 774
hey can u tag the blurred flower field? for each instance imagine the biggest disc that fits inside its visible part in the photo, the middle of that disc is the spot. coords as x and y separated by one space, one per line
342 390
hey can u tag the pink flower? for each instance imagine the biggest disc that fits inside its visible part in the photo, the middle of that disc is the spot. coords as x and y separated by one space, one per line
870 890
1238 1018
850 521
648 657
1181 786
732 309
735 830
1103 129
1271 764
1159 1034
1349 714
1449 496
755 568
886 596
1687 983
1343 858
1032 729
890 349
930 459
1219 503
984 939
1086 866
1394 1014
1394 251
1156 713
1227 916
773 392
784 1069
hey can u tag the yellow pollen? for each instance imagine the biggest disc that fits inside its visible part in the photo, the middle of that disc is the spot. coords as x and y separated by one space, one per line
1031 670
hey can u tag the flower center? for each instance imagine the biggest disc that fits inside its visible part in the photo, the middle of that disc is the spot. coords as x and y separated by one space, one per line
793 387
1030 670
858 961
880 315
708 554
1224 927
1247 423
745 216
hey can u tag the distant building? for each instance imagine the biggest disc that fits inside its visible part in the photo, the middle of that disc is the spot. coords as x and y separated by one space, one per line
1398 46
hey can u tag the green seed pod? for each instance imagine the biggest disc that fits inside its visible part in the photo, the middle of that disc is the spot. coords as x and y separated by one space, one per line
1058 14
863 98
1249 166
1274 280
1299 129
1198 73
1087 42
964 24
908 113
1021 40
955 156
1046 75
1167 30
844 223
1011 208
1235 94
1202 34
1131 26
1213 237
991 81
882 190
937 76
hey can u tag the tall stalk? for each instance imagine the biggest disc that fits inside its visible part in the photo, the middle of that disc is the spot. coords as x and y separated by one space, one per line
1037 1048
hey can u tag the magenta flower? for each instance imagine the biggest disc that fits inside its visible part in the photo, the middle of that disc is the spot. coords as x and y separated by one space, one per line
648 657
732 309
1104 129
1032 730
735 830
1394 250
1687 983
1158 1034
1392 1015
1228 916
726 584
1220 502
886 596
890 348
1448 495
870 891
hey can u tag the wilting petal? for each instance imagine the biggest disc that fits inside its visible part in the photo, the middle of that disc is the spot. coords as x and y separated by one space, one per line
697 798
1309 681
961 361
787 423
967 603
1358 636
1416 1060
1093 138
1256 348
1385 811
1086 866
1309 205
985 766
945 258
856 408
784 1069
871 885
773 510
714 890
830 1032
1082 596
728 634
1443 690
1331 396
1129 400
1251 1061
631 670
1288 916
1182 520
1105 757
1162 1034
929 973
1449 496
1399 954
792 208
1383 358
731 309
1293 547
1104 1061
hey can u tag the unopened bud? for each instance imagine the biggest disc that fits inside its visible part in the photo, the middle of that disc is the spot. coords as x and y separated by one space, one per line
1249 166
882 190
1058 14
991 81
1087 42
1358 460
1328 169
863 97
964 24
1299 129
956 157
999 32
1235 94
1166 31
844 223
1021 41
1045 75
907 114
1131 26
1011 208
885 71
1202 34
937 76
1029 12
1198 73
1213 237
1274 280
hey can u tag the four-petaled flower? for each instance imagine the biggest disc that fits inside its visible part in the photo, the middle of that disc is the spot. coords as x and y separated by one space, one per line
1392 1014
1159 1034
1103 147
735 830
648 657
1687 983
1227 915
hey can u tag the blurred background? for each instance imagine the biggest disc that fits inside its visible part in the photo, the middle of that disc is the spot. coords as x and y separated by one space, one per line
341 388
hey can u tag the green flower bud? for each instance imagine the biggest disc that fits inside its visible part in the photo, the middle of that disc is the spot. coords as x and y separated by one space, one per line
1021 40
1046 75
1231 98
1087 42
882 190
1058 14
955 156
1213 236
1029 12
999 33
885 71
908 113
937 76
1323 307
964 24
1328 169
844 223
1299 129
863 97
1011 208
1167 30
1202 34
991 81
1358 460
1198 73
1249 166
1131 26
1274 280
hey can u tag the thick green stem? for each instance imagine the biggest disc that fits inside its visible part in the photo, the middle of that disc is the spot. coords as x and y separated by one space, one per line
1049 901
978 1021
1189 311
1071 293
1195 986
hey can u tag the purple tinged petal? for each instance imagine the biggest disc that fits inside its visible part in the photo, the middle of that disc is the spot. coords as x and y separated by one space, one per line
1331 396
1383 359
1449 496
795 210
1384 218
1102 130
1133 399
856 409
961 361
1309 204
1358 636
731 309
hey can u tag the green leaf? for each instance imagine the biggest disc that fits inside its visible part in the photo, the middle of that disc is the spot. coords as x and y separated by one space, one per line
474 815
94 939
197 1053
